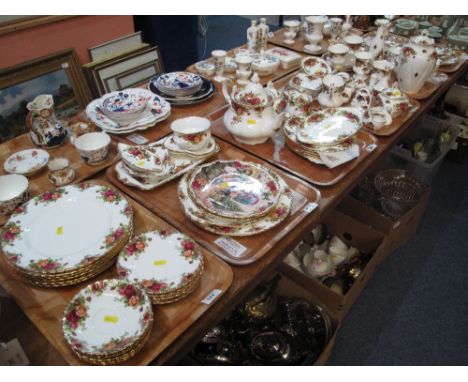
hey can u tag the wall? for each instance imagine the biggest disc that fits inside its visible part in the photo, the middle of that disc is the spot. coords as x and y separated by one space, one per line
79 32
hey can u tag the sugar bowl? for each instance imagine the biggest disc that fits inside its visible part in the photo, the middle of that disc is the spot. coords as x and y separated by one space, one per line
13 192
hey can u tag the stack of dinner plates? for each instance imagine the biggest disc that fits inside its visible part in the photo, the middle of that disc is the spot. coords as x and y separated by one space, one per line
166 264
129 110
234 198
67 235
182 88
108 322
324 131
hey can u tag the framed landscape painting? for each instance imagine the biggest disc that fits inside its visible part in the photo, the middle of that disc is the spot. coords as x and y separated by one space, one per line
59 74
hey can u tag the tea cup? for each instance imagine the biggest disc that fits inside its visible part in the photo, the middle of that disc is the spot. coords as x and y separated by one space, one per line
60 172
338 52
363 62
93 147
336 92
191 133
353 41
378 118
13 192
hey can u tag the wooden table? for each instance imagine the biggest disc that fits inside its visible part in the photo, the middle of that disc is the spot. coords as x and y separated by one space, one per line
39 182
247 277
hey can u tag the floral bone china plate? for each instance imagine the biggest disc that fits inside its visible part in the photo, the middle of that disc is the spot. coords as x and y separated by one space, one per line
26 162
146 159
315 66
107 317
234 189
229 227
160 261
66 229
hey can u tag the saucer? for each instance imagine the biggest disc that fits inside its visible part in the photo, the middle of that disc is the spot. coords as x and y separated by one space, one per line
174 148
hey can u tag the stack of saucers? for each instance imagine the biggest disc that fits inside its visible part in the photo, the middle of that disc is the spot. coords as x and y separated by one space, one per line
67 235
321 132
108 322
149 163
234 198
166 264
182 88
128 110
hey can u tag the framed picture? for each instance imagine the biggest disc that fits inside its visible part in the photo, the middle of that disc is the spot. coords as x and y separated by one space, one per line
104 75
137 76
59 74
114 47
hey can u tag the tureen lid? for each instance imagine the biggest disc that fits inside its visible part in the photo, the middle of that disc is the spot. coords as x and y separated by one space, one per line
253 94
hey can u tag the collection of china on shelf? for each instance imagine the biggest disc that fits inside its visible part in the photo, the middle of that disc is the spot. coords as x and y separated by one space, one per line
129 110
49 241
234 198
182 88
149 166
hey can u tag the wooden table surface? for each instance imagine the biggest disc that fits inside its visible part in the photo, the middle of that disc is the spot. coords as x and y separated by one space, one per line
247 277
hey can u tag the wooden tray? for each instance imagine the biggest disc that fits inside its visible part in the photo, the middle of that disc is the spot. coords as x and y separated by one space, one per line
397 122
45 307
281 72
426 91
164 202
39 183
454 67
276 152
299 43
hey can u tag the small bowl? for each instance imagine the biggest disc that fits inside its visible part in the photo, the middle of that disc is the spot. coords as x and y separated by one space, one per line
13 192
124 106
205 68
313 49
265 65
93 147
191 133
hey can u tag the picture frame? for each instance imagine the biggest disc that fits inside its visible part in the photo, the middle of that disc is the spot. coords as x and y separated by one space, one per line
134 77
104 75
114 47
59 74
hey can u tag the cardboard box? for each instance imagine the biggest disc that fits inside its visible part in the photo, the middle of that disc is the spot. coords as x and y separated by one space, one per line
289 288
353 233
396 233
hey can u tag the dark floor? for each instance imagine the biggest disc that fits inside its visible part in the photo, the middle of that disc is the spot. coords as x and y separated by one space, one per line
415 309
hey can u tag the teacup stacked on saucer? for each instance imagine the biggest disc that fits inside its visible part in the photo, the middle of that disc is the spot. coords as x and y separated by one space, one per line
108 322
325 131
191 136
234 198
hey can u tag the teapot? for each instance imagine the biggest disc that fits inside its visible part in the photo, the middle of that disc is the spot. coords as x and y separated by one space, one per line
45 129
416 63
255 113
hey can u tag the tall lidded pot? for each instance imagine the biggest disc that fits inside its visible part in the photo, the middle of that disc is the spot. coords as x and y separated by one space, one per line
45 129
255 113
416 63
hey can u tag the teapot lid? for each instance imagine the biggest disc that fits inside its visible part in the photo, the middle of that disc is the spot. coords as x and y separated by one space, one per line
253 95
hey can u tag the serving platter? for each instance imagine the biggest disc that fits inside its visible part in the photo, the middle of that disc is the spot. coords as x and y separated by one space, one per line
39 182
248 249
277 153
45 307
179 163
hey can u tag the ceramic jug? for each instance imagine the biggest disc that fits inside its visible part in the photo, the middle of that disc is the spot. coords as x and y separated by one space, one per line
378 42
45 129
253 115
416 63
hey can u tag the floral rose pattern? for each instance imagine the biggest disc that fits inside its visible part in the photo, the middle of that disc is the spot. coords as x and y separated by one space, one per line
136 246
114 236
46 265
131 296
75 315
50 196
10 232
189 249
110 195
